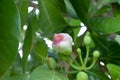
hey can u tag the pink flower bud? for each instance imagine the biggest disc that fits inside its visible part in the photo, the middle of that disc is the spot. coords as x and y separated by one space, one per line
62 43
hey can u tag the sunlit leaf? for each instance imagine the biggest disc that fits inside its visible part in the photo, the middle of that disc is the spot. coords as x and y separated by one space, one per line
114 71
43 73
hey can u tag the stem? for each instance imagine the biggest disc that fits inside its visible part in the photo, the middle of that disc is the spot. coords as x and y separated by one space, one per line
80 57
74 60
87 55
75 67
93 63
68 72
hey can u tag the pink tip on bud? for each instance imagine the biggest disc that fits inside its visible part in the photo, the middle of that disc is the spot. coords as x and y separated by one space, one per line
62 43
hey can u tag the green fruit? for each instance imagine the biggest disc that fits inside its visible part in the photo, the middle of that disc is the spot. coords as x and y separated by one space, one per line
82 76
87 40
51 63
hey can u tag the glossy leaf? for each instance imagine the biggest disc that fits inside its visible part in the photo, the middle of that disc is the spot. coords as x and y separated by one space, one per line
9 34
114 71
70 9
106 25
43 73
51 20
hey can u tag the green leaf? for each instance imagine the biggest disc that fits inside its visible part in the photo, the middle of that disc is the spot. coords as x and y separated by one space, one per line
51 20
23 8
106 25
107 1
109 54
74 22
97 75
81 10
60 5
9 34
43 73
18 77
41 50
70 9
114 71
103 9
33 21
27 46
16 68
116 9
113 53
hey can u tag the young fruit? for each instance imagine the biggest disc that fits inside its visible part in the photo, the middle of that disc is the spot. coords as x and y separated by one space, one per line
51 63
82 76
62 43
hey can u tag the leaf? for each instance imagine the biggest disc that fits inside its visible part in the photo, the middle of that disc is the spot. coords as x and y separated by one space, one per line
51 20
16 68
33 21
60 5
114 71
9 34
43 73
41 50
116 9
70 9
18 77
103 9
23 8
113 53
106 25
27 46
109 54
97 75
107 1
74 22
81 10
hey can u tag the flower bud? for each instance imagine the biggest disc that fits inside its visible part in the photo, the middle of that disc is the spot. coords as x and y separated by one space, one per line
79 50
62 43
87 40
96 54
82 76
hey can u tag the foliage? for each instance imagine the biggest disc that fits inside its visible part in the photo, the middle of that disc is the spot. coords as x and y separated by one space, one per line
25 32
